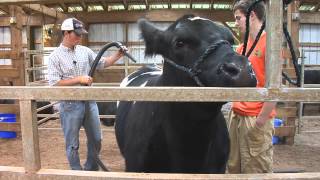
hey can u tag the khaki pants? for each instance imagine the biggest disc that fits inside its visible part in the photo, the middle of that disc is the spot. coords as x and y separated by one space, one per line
251 148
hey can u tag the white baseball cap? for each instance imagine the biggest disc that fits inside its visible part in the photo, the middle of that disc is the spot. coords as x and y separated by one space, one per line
73 24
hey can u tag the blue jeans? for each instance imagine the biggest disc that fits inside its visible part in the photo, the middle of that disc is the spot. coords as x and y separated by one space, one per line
73 115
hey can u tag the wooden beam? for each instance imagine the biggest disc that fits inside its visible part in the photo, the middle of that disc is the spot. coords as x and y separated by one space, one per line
5 54
20 2
146 3
46 11
5 21
16 2
316 7
84 6
163 94
285 131
125 4
104 5
4 46
9 108
5 9
8 172
310 18
39 20
152 15
63 6
274 43
12 126
30 138
34 20
16 44
286 112
294 23
9 72
308 1
310 44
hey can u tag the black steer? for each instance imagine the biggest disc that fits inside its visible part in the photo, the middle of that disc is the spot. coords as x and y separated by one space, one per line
181 137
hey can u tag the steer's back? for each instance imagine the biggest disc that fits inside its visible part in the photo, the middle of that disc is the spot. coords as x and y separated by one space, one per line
145 76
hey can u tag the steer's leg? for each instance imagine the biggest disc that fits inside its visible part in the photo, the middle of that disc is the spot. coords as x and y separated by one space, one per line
219 151
135 160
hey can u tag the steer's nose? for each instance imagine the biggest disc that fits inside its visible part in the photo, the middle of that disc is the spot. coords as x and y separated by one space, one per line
230 69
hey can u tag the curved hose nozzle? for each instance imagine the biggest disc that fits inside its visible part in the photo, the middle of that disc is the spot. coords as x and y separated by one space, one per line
125 52
105 48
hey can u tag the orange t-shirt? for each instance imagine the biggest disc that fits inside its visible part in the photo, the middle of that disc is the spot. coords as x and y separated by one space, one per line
257 59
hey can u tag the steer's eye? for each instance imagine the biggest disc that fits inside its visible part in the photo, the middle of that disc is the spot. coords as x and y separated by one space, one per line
179 44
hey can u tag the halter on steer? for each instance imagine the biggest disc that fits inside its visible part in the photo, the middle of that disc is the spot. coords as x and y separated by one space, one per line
193 72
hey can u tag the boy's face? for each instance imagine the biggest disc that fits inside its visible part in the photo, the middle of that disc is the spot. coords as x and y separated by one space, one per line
240 20
73 38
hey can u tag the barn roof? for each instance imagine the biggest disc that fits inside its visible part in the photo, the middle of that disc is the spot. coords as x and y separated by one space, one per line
71 6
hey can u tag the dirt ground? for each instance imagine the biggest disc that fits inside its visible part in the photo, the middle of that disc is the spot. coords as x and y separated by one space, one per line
304 155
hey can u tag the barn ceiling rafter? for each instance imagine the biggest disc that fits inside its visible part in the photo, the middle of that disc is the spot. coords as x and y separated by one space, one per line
45 11
317 6
106 5
4 10
107 10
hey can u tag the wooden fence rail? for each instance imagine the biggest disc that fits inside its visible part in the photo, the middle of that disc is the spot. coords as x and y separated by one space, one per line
30 140
53 174
174 94
28 95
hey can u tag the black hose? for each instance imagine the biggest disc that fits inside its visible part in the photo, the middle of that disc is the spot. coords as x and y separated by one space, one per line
293 55
287 78
91 73
101 52
287 36
246 36
257 39
287 1
95 151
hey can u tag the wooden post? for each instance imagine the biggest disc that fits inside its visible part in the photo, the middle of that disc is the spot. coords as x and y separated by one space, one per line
85 38
274 28
16 14
30 138
293 19
56 37
274 13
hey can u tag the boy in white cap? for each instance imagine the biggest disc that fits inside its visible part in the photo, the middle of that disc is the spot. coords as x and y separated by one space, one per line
69 65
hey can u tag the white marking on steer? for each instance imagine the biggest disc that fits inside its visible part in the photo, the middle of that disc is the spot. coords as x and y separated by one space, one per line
144 84
198 18
125 81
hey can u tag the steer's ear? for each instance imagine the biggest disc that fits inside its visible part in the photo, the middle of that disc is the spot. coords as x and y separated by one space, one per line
153 37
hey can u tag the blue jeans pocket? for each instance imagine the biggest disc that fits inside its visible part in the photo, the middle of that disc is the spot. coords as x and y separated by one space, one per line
68 106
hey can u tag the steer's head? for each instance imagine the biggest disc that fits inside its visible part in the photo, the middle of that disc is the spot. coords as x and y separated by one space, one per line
203 47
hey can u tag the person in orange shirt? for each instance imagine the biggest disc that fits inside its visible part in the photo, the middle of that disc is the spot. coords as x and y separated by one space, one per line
250 124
